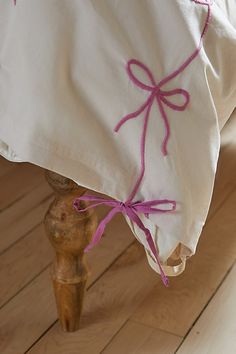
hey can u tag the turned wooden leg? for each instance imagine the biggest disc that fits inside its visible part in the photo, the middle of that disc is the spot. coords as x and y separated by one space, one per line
69 233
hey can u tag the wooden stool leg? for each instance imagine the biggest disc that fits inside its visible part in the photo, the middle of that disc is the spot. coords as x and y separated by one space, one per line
69 233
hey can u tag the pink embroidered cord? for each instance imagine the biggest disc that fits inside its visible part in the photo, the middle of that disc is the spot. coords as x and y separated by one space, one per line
130 208
161 97
157 93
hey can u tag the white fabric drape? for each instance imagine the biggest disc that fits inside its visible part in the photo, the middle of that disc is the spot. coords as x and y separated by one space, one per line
64 87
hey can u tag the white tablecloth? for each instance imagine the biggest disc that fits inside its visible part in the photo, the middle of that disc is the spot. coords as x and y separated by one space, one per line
64 87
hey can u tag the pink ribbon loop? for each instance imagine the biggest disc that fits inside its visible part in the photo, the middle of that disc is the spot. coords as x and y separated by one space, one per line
131 209
161 96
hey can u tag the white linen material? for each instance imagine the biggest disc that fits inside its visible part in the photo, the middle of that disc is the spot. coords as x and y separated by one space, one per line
64 87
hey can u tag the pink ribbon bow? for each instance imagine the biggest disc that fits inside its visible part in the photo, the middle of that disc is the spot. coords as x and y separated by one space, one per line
131 210
156 93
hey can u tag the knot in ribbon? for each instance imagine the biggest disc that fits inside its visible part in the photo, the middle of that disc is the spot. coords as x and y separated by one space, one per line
161 96
130 209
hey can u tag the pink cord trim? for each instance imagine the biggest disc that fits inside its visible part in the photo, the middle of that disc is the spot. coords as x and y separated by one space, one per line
131 210
161 97
155 93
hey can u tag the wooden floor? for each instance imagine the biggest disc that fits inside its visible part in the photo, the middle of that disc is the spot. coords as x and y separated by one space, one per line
127 309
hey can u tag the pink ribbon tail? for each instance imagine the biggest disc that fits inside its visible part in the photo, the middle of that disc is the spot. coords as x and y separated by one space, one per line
130 209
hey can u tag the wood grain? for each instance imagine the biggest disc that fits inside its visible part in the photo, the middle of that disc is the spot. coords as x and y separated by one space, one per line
225 181
108 304
21 322
23 216
136 338
23 262
6 166
215 330
27 315
69 233
16 185
176 310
